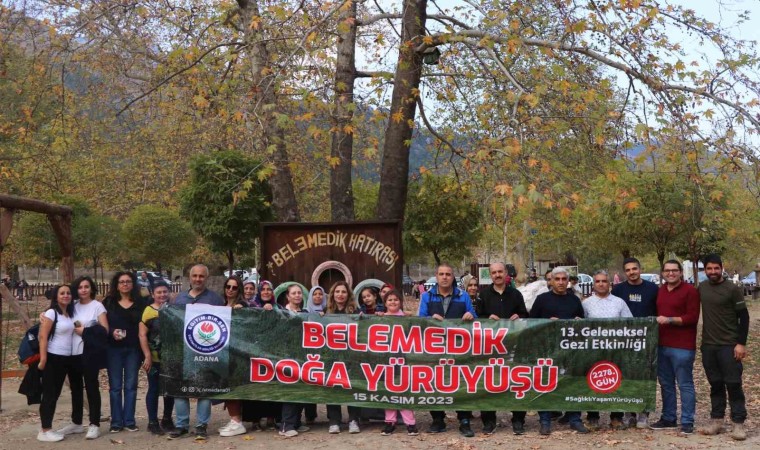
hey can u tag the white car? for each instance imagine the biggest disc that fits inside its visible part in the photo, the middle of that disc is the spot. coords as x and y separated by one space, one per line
653 277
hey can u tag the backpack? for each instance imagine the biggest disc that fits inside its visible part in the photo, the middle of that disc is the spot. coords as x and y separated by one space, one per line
29 348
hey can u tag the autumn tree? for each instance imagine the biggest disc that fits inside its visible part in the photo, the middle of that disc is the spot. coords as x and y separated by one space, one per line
442 220
158 236
226 200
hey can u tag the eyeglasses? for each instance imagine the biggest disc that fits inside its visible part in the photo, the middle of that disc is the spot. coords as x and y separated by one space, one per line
231 286
125 281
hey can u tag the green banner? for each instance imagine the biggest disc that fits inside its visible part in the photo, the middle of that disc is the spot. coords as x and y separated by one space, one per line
409 362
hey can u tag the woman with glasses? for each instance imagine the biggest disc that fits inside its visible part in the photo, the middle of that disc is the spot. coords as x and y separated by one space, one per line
233 298
124 309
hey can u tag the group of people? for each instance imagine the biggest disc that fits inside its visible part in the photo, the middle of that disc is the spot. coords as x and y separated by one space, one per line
79 336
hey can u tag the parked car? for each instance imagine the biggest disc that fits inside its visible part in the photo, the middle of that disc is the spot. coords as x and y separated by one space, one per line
749 282
430 283
155 275
240 273
585 278
653 277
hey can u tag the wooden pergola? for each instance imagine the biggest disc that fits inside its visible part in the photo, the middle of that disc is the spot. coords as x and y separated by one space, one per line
60 220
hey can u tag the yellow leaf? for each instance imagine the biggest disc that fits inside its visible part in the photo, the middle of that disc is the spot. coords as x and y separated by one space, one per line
633 204
428 40
398 116
423 170
503 189
565 212
348 129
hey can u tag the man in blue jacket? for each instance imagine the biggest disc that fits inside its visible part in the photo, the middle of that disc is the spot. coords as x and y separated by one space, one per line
446 301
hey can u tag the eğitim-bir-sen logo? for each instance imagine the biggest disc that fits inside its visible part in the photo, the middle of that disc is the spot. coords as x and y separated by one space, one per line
207 334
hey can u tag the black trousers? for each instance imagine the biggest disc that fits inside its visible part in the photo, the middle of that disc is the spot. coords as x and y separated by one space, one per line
724 374
613 415
490 416
310 411
335 416
440 416
53 376
81 378
291 415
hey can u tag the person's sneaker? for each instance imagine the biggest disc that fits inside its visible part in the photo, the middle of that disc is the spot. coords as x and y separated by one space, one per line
642 421
578 427
167 424
289 433
71 428
438 426
178 433
687 429
201 434
545 430
49 436
564 419
155 428
131 428
233 428
464 428
115 429
353 427
489 428
388 429
518 428
411 430
93 432
739 433
714 427
334 429
303 429
617 424
663 424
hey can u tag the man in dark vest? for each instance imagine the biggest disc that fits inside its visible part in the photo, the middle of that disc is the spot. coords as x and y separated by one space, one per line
446 301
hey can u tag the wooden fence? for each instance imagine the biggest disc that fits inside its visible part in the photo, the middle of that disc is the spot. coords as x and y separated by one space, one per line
39 289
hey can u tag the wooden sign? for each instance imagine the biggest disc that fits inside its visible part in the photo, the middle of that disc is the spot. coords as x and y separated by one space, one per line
323 253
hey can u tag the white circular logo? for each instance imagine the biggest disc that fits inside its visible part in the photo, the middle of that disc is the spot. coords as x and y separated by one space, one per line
207 334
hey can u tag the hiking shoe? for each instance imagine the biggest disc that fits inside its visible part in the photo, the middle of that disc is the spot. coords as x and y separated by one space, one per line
93 432
388 429
579 427
71 428
739 433
663 425
546 429
642 421
131 428
687 429
178 433
438 426
715 427
201 434
464 428
411 430
115 429
233 428
49 436
617 424
489 428
334 429
289 433
518 428
167 424
353 427
155 428
303 429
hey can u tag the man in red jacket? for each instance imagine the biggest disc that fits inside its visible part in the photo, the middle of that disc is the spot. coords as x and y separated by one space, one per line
677 315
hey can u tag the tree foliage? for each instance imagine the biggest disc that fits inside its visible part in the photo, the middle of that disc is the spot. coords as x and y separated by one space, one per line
442 220
226 201
158 236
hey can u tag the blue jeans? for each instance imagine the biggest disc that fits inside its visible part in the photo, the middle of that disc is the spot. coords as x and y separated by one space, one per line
123 367
676 365
545 417
202 413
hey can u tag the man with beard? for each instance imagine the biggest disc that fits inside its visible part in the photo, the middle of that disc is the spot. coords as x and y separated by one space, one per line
725 325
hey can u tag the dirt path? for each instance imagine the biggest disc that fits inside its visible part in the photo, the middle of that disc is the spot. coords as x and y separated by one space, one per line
19 424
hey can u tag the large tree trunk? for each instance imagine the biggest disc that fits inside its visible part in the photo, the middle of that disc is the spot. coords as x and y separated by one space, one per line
394 176
341 191
264 106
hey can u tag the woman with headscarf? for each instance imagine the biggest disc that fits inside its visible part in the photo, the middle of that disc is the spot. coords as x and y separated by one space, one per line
265 297
249 291
316 303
